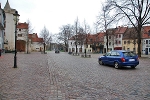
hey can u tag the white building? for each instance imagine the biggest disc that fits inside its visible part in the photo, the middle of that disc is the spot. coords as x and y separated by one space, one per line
110 33
9 27
72 46
146 40
2 18
22 37
35 43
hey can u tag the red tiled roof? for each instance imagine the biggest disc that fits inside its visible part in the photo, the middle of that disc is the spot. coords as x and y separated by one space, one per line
121 30
130 33
22 26
34 38
145 32
99 37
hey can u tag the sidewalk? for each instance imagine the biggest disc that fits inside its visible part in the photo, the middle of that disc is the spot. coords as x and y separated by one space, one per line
145 56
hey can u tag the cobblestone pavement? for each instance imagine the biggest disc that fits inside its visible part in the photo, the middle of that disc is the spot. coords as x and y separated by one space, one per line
65 77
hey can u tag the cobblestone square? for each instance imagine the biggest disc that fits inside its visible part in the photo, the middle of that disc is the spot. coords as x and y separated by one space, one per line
65 77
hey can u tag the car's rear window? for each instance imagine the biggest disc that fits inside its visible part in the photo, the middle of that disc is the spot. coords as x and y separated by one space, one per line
129 54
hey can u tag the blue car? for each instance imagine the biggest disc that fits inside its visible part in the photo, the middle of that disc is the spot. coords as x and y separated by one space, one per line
119 58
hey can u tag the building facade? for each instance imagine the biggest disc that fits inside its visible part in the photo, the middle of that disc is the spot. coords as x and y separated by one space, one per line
22 37
9 27
2 28
35 43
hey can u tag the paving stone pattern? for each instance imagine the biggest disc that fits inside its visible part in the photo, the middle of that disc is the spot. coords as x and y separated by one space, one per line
65 77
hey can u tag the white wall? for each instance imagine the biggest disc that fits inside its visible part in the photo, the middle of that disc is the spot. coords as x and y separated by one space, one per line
145 46
10 31
71 46
35 46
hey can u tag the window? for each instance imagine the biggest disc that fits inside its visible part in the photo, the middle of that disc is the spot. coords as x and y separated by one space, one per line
128 42
19 35
124 42
119 42
90 46
130 54
116 36
146 41
78 43
107 54
113 53
119 35
149 41
149 49
71 43
109 37
109 43
116 42
86 46
133 49
117 54
19 29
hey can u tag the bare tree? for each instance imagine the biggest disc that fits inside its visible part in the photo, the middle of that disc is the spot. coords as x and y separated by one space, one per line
46 36
136 12
76 29
29 30
65 33
86 31
105 20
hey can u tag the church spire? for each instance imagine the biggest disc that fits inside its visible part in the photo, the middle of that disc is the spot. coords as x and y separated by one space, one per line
7 7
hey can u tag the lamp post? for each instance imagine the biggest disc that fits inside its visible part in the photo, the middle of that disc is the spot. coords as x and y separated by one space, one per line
16 20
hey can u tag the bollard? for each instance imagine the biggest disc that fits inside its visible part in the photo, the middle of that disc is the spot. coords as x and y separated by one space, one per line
0 52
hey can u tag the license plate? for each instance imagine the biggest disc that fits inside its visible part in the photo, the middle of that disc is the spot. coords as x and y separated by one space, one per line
131 59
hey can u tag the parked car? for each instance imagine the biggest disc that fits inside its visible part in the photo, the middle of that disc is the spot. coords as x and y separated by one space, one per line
56 51
119 58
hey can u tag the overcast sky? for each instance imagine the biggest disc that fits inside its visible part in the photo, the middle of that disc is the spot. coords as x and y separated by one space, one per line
54 13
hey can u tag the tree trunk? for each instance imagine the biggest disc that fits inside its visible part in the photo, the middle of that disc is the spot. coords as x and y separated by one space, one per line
44 48
107 41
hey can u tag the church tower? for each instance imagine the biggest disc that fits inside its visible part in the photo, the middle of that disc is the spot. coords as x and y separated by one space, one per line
9 27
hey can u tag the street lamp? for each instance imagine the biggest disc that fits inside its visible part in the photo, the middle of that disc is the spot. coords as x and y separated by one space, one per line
16 20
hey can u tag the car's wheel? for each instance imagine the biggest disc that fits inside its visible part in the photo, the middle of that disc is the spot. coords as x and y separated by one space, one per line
116 64
133 66
101 62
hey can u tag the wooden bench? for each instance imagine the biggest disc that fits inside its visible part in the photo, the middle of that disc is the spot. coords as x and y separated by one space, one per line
86 56
75 54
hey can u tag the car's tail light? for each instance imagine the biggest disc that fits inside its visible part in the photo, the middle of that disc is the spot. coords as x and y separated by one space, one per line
122 59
